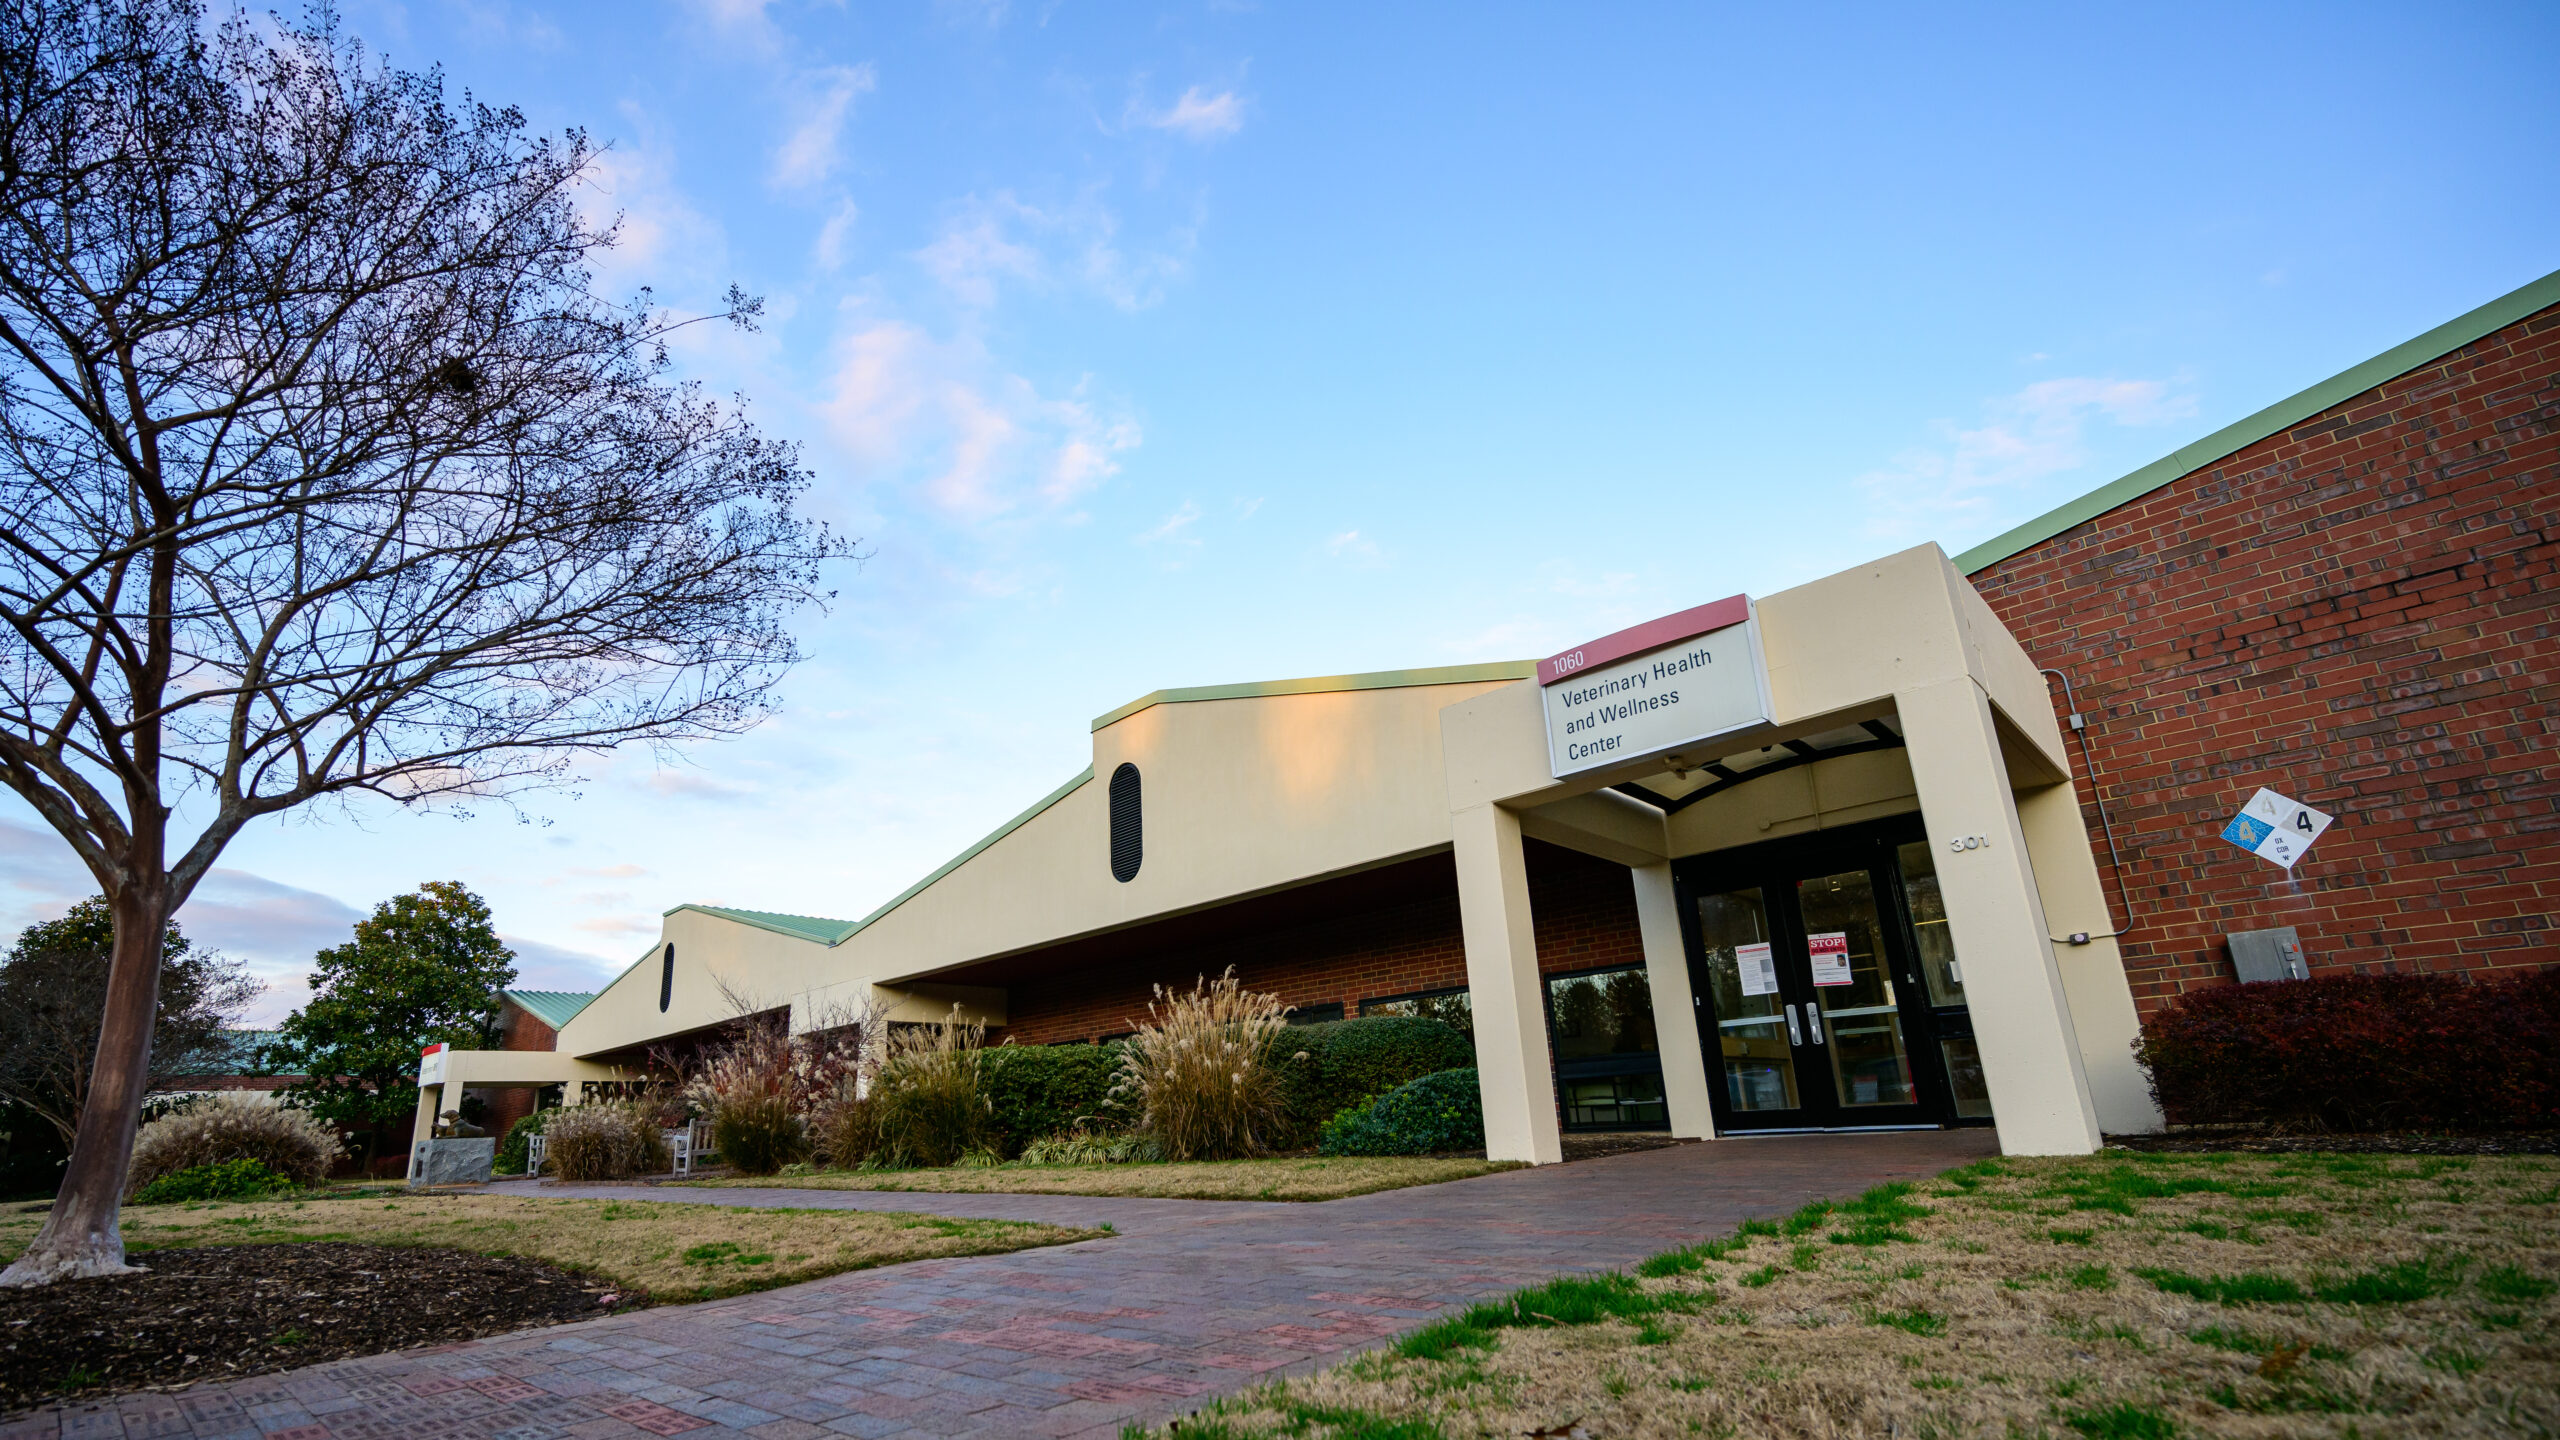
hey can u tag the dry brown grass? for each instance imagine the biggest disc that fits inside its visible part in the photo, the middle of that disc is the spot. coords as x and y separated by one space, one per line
1288 1178
2018 1305
663 1249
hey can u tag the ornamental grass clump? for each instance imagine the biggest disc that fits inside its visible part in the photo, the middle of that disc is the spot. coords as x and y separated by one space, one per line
928 1099
291 1142
746 1085
1203 1073
606 1140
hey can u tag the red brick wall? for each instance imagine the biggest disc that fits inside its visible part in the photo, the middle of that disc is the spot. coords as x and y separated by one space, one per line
520 1029
2361 613
1585 913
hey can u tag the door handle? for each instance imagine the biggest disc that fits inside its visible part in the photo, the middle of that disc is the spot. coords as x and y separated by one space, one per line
1795 1036
1813 1022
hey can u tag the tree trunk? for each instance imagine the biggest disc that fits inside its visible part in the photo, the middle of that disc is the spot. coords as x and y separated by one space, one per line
80 1237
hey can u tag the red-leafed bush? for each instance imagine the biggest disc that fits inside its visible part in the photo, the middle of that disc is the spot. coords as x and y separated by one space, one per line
2361 1052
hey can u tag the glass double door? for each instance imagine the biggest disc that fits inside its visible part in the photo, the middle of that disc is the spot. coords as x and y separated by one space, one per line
1828 988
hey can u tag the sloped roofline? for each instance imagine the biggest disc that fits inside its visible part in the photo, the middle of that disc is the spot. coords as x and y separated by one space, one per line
1324 684
831 933
2390 365
551 1007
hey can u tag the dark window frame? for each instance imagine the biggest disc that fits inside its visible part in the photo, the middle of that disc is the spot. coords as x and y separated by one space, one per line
1368 1000
1128 823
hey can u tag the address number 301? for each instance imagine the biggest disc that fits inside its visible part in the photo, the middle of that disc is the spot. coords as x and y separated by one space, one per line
1962 843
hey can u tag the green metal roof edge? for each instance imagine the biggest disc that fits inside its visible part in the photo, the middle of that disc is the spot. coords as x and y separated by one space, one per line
2390 365
821 929
772 920
543 1007
1321 684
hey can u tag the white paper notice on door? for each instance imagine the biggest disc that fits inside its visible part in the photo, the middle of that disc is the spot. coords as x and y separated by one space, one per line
1830 958
1759 969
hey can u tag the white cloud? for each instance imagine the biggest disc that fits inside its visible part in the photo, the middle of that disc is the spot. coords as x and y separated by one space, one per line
663 241
1174 529
993 241
810 153
1353 548
829 250
975 441
974 252
1198 115
1969 476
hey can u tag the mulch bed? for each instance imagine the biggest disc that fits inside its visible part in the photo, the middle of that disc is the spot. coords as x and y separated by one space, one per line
225 1311
2204 1142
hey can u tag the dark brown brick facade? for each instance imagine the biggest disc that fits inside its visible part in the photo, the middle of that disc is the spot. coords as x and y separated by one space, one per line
518 1029
2360 612
1586 918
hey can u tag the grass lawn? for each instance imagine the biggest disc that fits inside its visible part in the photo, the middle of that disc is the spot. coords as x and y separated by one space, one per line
666 1251
2117 1297
1300 1177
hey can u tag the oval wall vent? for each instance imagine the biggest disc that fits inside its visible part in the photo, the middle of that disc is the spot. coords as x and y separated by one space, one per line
667 980
1128 835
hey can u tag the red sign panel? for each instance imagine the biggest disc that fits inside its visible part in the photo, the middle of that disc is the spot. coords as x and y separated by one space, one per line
1651 635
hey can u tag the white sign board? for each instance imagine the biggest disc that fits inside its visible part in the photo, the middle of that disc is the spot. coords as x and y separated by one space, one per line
1830 958
431 1065
1759 969
2276 827
1655 688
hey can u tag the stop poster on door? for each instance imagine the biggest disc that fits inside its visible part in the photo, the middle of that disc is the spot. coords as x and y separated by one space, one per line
1759 969
1830 958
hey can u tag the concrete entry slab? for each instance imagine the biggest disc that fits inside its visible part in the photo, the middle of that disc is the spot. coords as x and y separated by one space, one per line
1193 1299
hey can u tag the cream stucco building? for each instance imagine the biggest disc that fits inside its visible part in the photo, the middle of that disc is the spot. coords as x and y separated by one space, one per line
1868 901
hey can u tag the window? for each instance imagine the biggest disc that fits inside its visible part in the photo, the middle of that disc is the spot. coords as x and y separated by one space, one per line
667 980
1945 974
1450 1006
1608 1057
1315 1014
1616 1102
1601 1015
1128 834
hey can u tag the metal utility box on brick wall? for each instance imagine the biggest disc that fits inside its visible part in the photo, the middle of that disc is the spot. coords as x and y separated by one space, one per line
2272 954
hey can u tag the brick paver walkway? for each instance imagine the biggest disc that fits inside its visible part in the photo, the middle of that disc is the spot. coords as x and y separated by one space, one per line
1191 1299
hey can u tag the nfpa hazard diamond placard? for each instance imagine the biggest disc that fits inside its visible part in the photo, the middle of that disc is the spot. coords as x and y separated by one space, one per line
2276 827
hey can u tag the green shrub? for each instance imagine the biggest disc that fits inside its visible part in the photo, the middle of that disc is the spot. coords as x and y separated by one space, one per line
241 1179
1436 1113
1349 1062
513 1153
235 1126
1038 1091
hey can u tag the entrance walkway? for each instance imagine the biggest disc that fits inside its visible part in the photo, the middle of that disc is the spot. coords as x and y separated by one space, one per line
1191 1299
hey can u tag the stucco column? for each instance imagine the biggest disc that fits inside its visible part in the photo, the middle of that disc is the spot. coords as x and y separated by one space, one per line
2021 1015
2093 978
430 1104
1675 1005
1512 1065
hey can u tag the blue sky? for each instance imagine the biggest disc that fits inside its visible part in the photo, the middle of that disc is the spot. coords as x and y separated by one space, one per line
1181 345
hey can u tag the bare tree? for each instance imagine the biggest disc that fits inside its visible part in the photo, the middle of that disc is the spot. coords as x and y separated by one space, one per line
324 470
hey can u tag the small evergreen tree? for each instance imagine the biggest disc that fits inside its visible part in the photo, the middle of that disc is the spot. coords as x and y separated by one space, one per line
53 991
425 967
